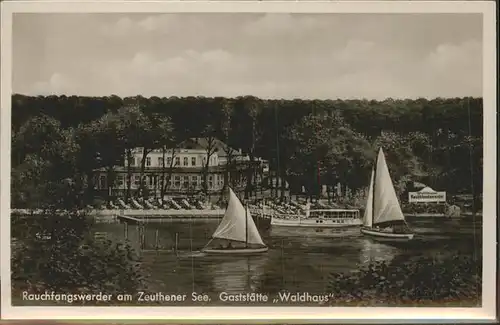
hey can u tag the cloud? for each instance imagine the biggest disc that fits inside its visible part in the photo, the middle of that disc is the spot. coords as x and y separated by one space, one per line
286 25
266 55
159 23
57 84
123 27
448 57
148 74
454 68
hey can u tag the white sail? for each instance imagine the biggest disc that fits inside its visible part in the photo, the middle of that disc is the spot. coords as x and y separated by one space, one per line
386 206
368 217
233 225
253 236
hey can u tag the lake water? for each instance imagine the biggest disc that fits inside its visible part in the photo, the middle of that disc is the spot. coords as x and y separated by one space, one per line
298 260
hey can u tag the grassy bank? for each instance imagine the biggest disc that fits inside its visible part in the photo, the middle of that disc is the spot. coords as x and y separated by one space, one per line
435 281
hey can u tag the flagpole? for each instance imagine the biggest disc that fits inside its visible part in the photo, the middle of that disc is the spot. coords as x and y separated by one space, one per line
246 225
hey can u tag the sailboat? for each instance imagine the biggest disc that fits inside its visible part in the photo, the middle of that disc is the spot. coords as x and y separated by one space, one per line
383 219
236 233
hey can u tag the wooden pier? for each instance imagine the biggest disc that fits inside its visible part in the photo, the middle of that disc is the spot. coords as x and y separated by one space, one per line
140 242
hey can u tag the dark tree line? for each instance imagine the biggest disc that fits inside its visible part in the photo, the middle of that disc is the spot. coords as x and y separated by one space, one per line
309 143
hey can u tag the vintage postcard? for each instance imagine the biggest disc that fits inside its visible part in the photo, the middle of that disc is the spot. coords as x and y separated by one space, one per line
244 159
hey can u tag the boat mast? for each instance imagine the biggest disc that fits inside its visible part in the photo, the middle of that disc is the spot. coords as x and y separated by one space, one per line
246 226
373 190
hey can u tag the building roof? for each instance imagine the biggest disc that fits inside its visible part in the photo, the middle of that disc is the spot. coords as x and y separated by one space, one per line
149 170
203 143
427 189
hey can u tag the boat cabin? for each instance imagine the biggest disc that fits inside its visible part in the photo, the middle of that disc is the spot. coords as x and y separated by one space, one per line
337 214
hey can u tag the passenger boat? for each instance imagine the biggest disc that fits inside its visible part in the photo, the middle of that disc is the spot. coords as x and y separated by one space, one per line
261 217
319 218
236 233
383 219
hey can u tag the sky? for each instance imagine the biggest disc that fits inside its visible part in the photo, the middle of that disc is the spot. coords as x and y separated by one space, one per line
315 56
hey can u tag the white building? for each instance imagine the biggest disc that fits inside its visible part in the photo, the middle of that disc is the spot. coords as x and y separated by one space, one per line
183 169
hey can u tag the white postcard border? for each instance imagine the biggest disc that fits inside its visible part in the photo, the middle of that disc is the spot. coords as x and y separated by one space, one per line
317 314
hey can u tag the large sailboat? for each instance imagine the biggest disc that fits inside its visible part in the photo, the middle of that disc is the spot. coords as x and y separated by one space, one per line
237 232
383 219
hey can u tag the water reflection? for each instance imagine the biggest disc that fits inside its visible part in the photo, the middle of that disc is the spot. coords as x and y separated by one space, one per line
310 232
299 259
237 274
372 251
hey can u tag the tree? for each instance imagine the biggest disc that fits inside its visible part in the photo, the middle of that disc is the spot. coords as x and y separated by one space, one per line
227 111
281 152
431 135
170 149
102 146
328 151
134 130
210 149
47 158
29 182
349 159
403 164
252 106
56 252
160 135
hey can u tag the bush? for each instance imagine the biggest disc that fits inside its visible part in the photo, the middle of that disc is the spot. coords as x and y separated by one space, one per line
57 253
407 281
98 202
424 208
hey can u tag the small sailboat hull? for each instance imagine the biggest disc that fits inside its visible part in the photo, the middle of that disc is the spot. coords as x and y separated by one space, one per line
235 251
386 236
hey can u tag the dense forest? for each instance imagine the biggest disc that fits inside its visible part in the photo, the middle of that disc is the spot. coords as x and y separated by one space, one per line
58 141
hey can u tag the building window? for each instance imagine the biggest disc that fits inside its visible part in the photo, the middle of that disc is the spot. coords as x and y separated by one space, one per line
194 180
169 161
177 161
160 162
177 181
102 181
148 161
193 161
210 181
185 181
120 180
137 180
185 161
151 181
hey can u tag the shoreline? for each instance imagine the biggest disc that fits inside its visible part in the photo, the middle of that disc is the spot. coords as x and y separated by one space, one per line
154 213
442 215
198 213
